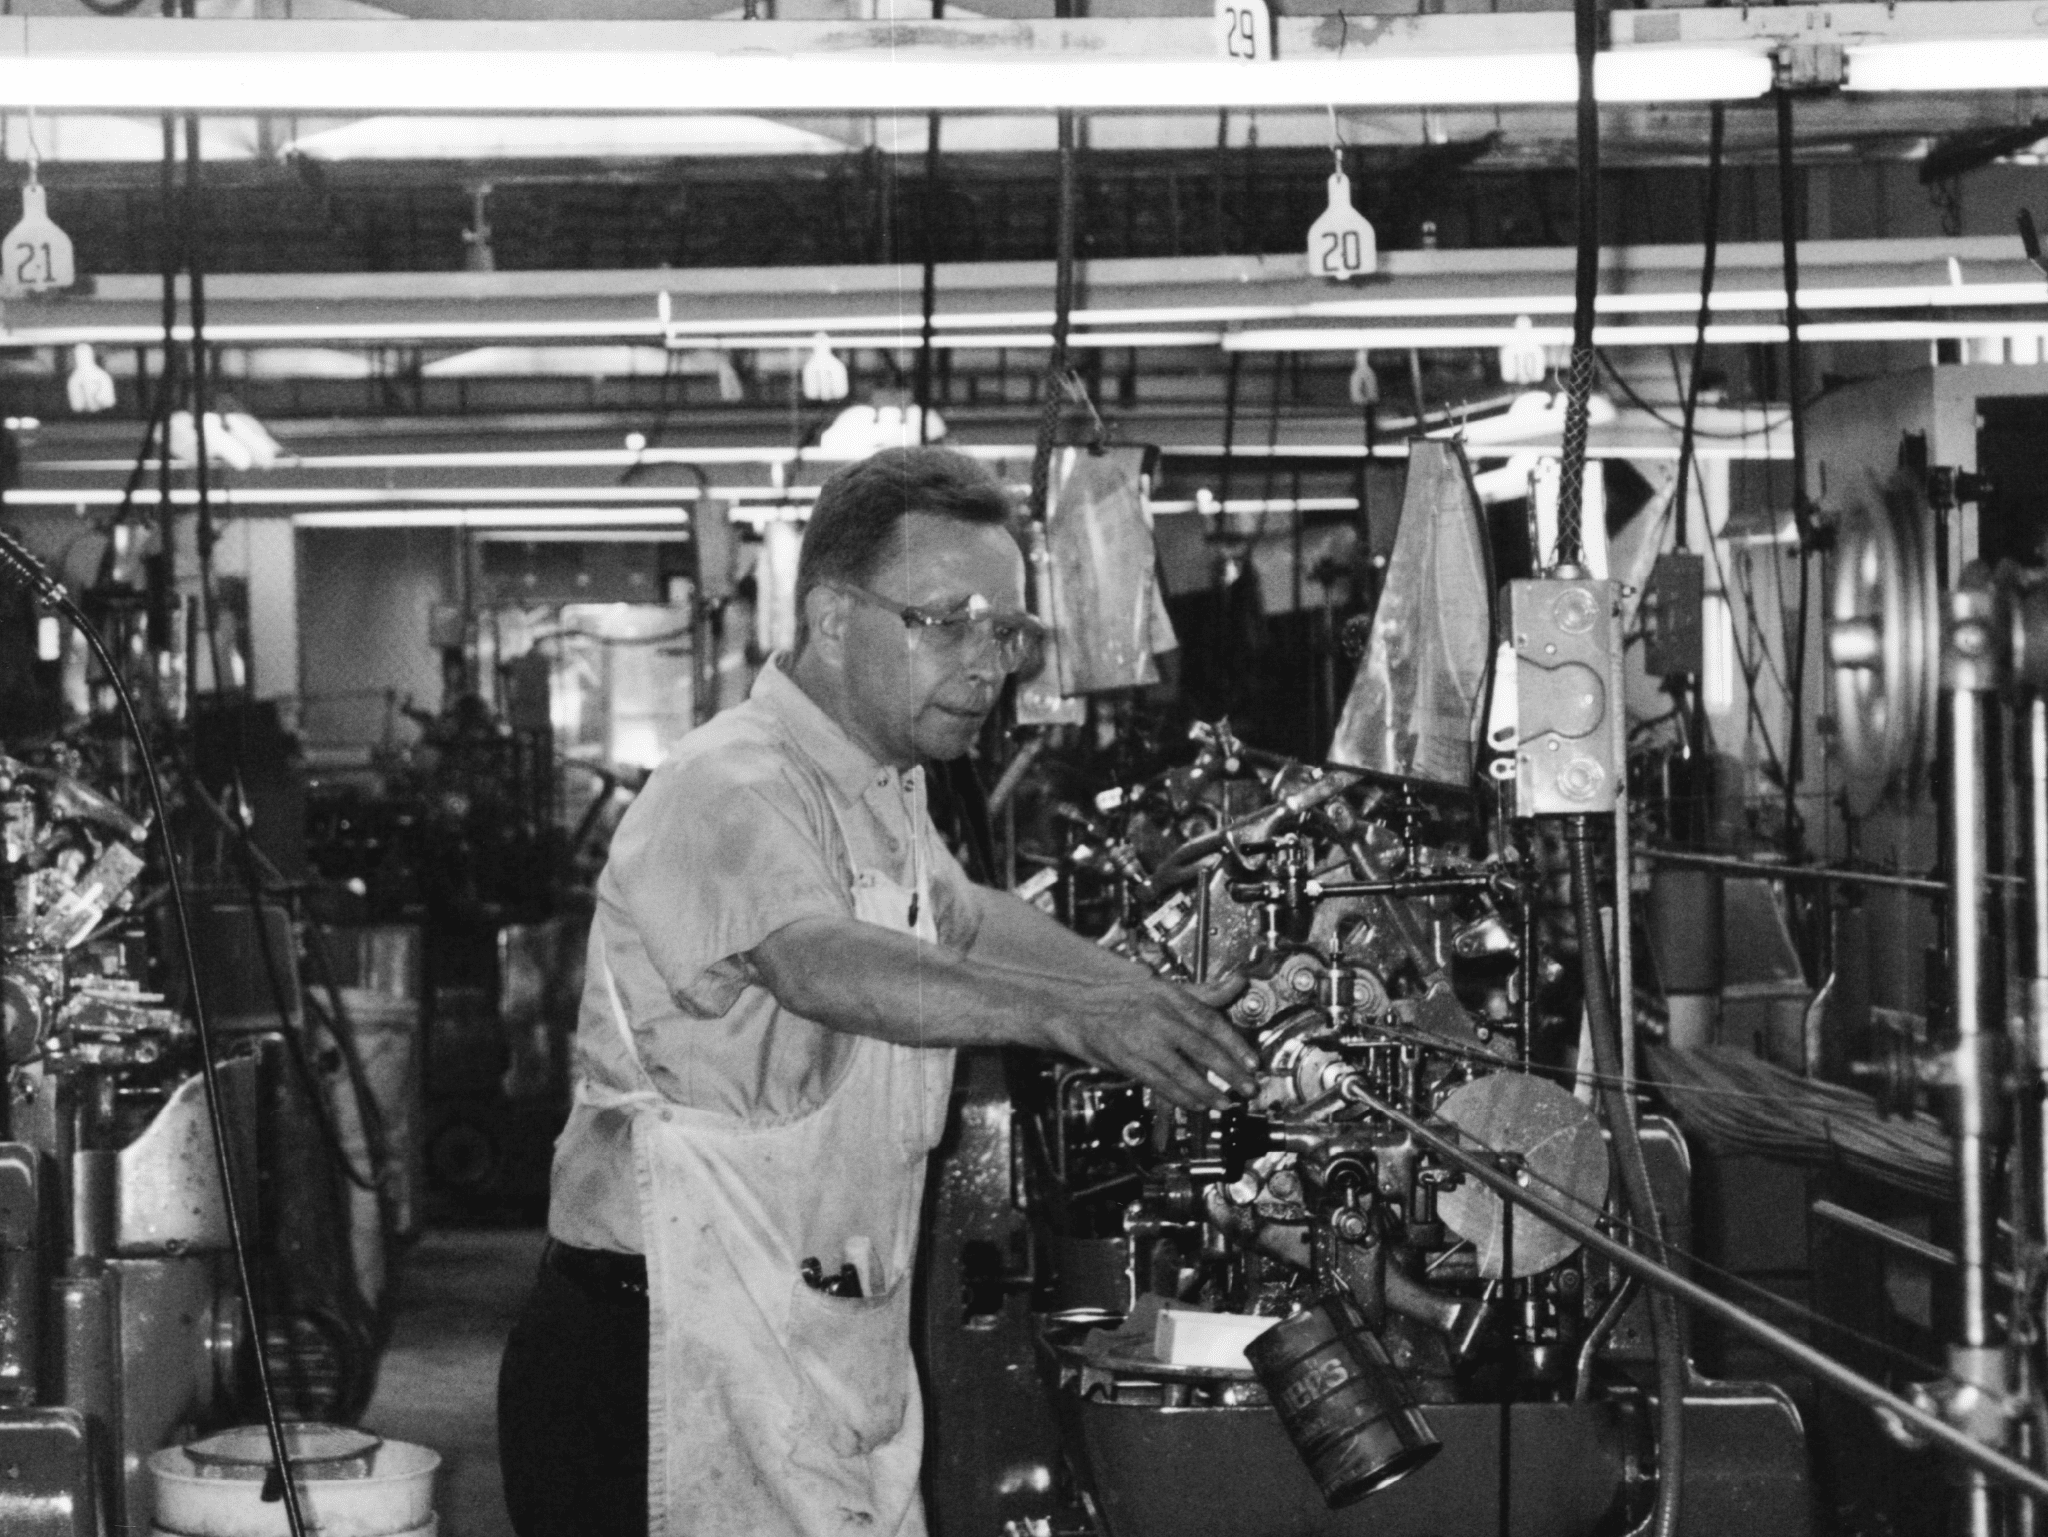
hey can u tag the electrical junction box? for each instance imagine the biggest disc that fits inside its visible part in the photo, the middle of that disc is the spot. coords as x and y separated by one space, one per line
1566 736
1673 644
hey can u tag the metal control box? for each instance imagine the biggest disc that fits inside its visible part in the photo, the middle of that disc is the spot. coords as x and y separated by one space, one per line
1566 638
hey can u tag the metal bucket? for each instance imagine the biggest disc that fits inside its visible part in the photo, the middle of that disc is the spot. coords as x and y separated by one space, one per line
1346 1408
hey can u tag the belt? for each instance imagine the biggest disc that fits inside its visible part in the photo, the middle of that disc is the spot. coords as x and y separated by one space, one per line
599 1272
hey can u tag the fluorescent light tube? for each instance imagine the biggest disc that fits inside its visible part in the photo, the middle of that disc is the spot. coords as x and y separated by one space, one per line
1403 338
527 70
1932 65
482 83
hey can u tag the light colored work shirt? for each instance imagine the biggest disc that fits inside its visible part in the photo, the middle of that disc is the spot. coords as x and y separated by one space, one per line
733 838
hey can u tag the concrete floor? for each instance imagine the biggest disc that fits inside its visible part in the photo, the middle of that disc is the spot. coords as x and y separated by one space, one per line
458 1294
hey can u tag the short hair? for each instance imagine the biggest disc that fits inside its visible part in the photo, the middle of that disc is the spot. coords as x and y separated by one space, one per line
860 507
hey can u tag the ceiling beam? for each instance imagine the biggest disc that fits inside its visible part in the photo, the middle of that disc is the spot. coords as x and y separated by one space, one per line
1180 302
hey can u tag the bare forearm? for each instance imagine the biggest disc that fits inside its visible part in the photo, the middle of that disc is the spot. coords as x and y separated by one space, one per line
1016 936
860 978
867 980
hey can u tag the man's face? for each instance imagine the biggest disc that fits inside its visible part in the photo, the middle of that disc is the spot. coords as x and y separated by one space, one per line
908 696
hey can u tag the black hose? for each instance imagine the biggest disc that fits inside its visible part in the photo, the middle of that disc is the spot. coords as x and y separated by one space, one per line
1604 1027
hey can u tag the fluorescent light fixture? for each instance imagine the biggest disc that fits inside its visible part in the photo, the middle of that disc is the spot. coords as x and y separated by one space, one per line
1942 65
542 138
552 517
89 388
587 362
338 83
1660 74
1257 504
1150 326
628 503
628 69
1424 338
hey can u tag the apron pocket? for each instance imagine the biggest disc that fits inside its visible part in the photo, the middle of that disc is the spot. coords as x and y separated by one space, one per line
927 1098
853 1354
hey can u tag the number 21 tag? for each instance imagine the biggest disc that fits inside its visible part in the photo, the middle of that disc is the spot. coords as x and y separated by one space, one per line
36 254
1244 30
1341 244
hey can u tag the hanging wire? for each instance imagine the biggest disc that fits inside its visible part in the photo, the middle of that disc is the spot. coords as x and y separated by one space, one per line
1052 392
1717 138
1636 398
1802 511
166 587
202 469
1571 485
35 150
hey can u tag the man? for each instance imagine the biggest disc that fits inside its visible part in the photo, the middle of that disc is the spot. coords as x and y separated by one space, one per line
782 960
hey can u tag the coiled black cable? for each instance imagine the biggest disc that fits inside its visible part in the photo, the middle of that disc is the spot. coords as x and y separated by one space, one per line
1604 1026
22 567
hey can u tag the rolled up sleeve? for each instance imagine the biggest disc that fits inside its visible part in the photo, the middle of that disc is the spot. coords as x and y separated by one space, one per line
705 866
954 903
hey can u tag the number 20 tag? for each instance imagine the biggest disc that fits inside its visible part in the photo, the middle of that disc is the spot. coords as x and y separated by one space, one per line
1341 243
36 254
1244 30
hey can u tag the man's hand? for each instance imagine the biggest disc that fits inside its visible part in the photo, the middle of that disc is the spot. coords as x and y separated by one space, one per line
1170 1038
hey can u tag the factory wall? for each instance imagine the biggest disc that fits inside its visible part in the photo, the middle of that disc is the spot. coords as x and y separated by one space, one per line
364 600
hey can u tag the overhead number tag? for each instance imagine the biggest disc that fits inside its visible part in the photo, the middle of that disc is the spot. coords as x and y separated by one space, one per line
1244 30
36 255
1341 243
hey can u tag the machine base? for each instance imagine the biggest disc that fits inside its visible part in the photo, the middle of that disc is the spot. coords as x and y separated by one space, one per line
1565 1470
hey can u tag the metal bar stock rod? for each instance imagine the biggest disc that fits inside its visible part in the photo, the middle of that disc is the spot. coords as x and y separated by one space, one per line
1823 1366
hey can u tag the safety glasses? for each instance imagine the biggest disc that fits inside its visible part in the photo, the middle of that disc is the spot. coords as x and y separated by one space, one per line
1017 639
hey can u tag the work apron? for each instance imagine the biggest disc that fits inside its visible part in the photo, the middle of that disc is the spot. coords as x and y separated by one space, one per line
774 1409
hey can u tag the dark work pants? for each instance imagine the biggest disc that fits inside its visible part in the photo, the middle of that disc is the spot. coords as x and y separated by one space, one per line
572 1413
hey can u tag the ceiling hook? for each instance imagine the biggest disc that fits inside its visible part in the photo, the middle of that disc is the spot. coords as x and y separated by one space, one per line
35 154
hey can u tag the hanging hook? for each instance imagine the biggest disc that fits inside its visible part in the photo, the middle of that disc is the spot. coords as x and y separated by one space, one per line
1076 390
35 154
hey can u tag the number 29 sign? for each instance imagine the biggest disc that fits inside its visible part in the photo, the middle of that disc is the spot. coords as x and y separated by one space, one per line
36 255
1341 243
1244 31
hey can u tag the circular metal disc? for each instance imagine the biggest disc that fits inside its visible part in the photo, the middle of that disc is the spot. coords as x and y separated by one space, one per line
1884 583
1565 1161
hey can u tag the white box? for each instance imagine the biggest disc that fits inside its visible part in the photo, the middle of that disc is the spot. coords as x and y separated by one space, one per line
1183 1337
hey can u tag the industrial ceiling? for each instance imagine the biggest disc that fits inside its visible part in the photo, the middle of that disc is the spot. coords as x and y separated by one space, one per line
544 227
